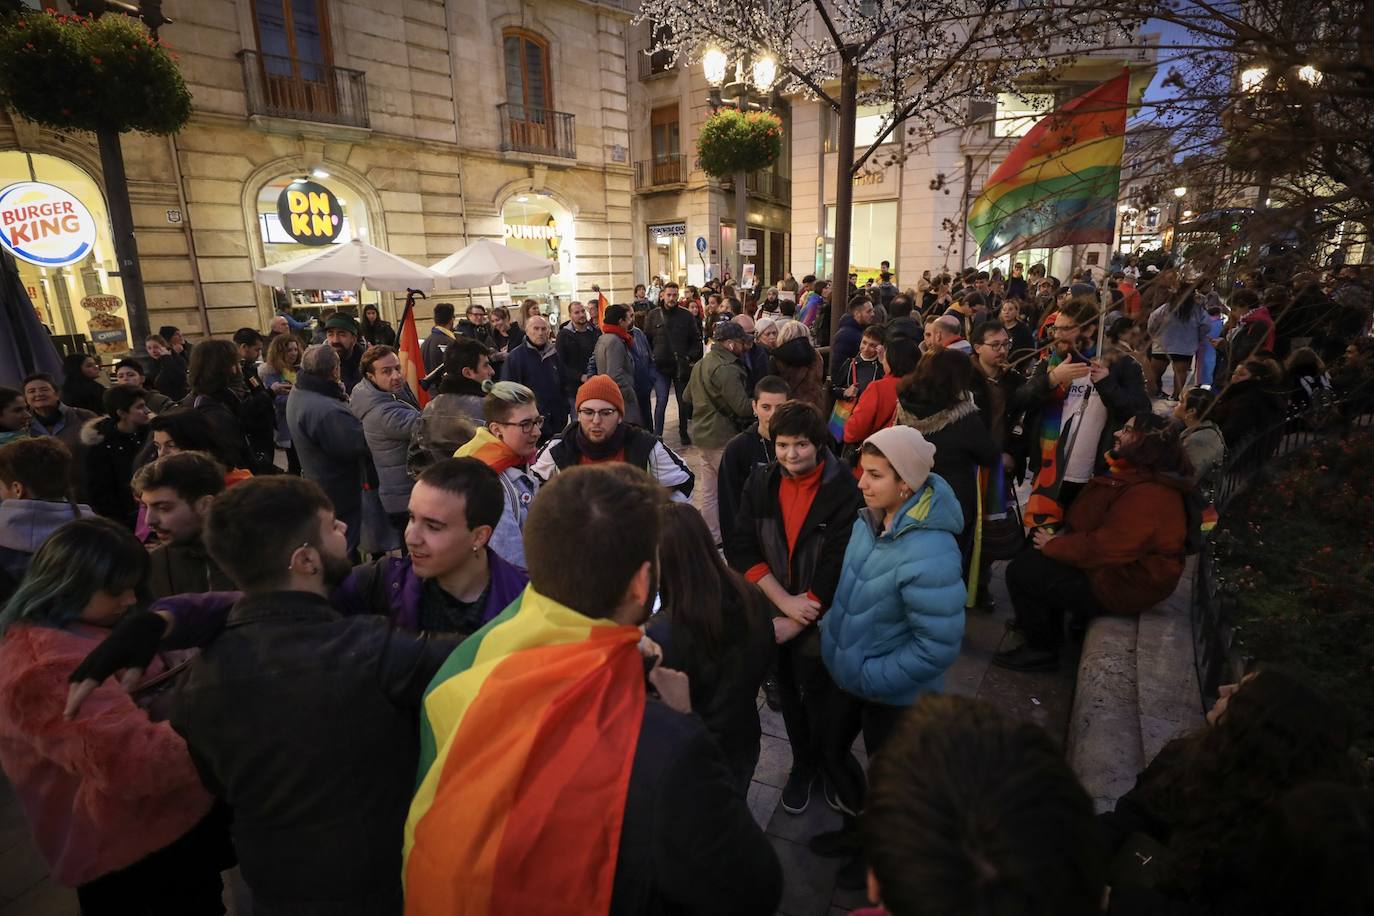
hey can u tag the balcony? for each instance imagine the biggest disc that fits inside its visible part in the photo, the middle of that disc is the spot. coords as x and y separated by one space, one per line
661 173
539 131
654 64
284 87
764 184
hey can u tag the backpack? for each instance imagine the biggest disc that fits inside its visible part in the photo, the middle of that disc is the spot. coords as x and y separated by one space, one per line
1323 406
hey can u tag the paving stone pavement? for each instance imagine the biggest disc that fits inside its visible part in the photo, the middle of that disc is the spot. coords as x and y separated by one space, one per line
808 880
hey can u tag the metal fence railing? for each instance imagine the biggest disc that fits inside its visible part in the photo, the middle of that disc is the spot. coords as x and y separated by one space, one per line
1216 653
537 130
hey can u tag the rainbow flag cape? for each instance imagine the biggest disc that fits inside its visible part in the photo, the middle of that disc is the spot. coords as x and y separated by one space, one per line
1058 186
527 736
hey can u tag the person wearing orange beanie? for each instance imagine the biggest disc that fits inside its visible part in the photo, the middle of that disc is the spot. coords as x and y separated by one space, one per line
599 433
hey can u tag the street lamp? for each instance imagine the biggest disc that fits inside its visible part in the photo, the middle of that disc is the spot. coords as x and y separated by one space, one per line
762 74
1252 78
1179 194
1310 75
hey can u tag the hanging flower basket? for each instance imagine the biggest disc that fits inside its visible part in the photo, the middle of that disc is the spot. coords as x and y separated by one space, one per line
732 141
78 73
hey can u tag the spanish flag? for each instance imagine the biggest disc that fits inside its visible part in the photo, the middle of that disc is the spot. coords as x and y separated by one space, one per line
527 736
412 364
1059 184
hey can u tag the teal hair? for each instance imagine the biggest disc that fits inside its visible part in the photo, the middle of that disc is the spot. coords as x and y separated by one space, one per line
78 560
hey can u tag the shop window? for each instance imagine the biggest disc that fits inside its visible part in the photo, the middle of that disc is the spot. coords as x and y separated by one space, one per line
872 240
278 245
528 85
1017 113
54 220
538 224
868 121
668 245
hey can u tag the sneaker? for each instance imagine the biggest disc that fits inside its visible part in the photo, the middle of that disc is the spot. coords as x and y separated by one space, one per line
832 798
1027 658
770 694
796 795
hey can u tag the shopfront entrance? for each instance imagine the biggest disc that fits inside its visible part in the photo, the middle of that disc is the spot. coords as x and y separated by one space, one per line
538 224
53 219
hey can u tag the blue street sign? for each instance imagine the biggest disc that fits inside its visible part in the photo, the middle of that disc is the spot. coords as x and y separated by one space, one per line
701 243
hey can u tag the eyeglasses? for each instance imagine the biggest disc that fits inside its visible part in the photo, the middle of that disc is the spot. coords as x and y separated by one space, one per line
587 413
526 426
999 345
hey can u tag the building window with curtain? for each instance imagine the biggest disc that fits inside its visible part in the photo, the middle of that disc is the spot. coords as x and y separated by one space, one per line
665 141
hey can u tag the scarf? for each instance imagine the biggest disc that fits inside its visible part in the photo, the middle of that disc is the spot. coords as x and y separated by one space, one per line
1042 507
1116 465
602 451
618 331
491 451
9 435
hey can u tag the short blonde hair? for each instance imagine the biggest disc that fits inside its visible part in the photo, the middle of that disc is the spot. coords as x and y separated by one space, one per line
791 329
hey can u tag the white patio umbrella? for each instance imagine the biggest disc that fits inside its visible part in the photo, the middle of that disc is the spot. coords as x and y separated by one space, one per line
487 263
353 264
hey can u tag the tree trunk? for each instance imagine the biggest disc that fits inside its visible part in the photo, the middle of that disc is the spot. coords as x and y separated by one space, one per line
125 245
844 194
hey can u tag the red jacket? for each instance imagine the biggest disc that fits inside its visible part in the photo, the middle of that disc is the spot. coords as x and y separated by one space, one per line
875 409
99 792
1127 532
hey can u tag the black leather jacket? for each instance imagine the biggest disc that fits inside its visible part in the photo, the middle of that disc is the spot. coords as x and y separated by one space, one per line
676 340
305 722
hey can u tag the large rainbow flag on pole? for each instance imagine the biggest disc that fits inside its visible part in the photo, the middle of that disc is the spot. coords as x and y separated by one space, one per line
1058 186
527 736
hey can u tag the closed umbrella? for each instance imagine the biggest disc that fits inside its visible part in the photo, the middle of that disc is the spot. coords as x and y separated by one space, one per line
487 263
348 266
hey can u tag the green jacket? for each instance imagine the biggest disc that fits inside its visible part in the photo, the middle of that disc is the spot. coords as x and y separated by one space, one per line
718 393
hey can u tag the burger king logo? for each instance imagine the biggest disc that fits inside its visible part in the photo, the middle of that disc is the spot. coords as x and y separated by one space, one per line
44 225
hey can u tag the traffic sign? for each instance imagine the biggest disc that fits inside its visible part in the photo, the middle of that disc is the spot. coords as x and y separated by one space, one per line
701 243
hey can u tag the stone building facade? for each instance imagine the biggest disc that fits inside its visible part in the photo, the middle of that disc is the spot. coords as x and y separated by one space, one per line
433 123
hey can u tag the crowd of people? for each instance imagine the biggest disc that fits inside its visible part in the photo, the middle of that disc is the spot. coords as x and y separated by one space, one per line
502 652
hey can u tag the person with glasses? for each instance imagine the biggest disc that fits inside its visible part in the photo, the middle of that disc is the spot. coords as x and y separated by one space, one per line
386 407
506 445
600 434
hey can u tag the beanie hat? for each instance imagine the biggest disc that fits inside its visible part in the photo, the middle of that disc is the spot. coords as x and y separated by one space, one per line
910 455
601 388
343 322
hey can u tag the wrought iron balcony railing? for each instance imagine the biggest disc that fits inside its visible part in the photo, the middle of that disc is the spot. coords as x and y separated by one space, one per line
285 87
661 171
537 130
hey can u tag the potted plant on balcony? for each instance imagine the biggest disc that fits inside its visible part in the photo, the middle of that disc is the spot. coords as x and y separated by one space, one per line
733 141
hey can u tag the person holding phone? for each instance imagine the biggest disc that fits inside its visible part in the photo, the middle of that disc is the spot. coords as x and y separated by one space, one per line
1075 403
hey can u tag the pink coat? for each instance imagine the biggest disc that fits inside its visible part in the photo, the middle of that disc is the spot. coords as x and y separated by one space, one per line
102 791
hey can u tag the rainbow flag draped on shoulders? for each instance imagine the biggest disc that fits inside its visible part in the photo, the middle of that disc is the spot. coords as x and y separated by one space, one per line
528 733
1059 184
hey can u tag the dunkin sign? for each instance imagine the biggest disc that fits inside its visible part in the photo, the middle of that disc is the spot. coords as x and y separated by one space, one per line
44 225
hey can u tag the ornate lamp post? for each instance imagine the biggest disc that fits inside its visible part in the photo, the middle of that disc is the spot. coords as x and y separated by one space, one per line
751 94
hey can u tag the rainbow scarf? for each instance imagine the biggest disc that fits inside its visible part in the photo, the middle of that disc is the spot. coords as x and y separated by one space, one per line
491 451
527 736
1058 186
1042 506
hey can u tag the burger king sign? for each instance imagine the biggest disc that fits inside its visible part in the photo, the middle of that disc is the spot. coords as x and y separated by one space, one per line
44 225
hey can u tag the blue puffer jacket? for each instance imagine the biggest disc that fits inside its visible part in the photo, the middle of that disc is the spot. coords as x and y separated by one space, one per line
897 620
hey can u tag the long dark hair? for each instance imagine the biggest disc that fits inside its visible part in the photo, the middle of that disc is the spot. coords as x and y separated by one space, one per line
693 579
1156 446
1213 787
942 379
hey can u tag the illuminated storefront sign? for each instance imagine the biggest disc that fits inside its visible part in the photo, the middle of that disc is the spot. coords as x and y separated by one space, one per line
310 213
45 225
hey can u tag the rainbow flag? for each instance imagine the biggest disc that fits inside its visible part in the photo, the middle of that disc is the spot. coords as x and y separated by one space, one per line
527 736
1058 186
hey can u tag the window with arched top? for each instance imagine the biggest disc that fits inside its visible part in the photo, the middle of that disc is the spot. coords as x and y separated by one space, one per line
528 85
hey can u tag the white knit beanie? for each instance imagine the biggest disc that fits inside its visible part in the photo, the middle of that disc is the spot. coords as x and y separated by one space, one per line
910 455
